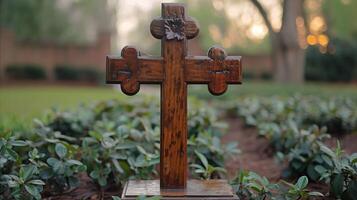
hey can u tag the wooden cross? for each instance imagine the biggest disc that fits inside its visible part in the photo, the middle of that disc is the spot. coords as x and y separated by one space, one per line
174 70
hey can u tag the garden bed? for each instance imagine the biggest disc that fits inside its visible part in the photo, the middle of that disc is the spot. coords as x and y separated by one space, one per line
257 156
89 153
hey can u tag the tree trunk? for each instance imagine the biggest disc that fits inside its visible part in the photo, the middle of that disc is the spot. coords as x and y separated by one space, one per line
288 56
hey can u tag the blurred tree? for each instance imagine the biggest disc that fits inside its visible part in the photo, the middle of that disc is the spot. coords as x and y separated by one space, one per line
288 56
56 21
339 14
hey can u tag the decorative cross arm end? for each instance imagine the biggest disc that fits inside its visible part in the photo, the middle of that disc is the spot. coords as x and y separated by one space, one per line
224 70
124 70
217 70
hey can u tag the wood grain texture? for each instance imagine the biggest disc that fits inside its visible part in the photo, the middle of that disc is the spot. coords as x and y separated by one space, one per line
173 158
130 70
159 24
217 70
174 70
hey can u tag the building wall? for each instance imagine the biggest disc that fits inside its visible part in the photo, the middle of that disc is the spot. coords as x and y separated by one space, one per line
48 55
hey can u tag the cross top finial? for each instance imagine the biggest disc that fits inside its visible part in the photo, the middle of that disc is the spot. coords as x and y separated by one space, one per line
174 24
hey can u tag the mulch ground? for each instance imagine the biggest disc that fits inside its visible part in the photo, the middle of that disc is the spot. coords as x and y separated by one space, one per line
256 156
256 153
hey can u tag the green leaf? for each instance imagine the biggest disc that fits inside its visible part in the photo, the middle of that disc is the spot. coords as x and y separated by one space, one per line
302 182
52 161
318 194
102 181
327 150
141 149
59 169
94 174
337 185
351 191
117 166
96 135
27 172
200 171
12 183
33 191
220 169
353 158
46 173
18 143
255 186
312 173
74 162
115 198
36 182
61 150
202 158
12 153
127 145
73 182
197 166
320 169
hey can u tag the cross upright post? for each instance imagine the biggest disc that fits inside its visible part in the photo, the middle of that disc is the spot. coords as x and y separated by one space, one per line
173 71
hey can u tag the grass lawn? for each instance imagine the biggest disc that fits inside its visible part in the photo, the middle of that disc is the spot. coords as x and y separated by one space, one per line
22 103
249 88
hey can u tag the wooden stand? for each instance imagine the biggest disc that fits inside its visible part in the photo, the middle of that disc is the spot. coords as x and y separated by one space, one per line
174 70
196 189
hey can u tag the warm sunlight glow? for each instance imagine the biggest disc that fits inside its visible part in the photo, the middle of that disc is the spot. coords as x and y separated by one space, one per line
317 25
323 40
218 4
215 32
311 39
346 2
257 32
233 11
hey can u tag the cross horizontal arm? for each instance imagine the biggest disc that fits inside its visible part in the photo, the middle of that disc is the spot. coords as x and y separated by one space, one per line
200 69
217 73
130 70
150 70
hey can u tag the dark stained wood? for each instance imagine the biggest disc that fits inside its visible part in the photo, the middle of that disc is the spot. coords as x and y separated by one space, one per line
174 70
131 69
196 189
217 70
173 139
157 27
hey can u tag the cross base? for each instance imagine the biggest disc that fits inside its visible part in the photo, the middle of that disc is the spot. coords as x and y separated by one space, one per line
196 189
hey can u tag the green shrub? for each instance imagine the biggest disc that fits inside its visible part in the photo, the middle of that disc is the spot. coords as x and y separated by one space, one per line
112 141
66 72
29 168
340 65
266 76
25 71
337 114
341 174
75 73
251 186
90 74
120 140
248 75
